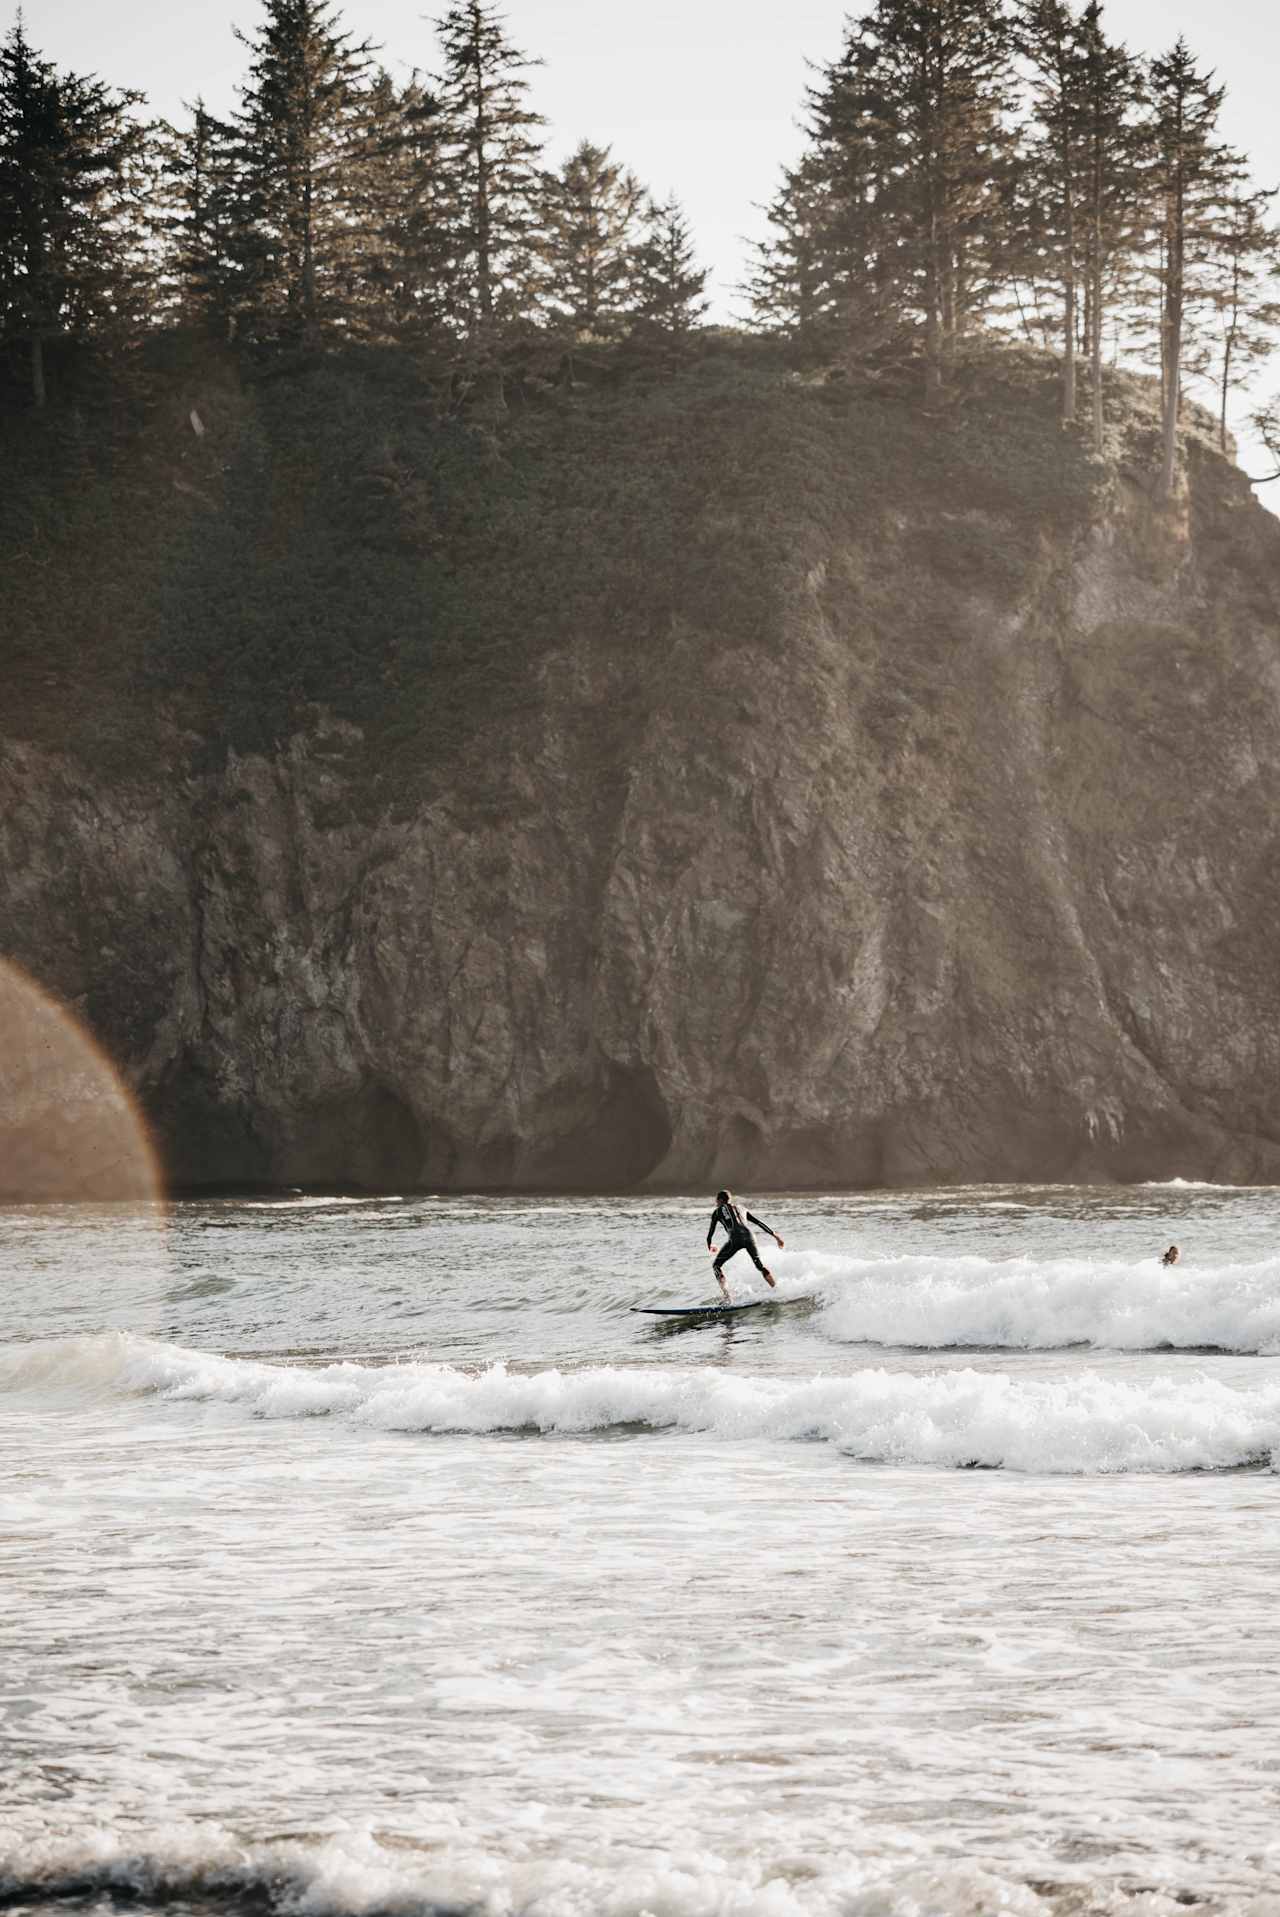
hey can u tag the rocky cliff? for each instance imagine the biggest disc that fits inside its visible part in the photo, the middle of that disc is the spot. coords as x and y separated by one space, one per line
737 777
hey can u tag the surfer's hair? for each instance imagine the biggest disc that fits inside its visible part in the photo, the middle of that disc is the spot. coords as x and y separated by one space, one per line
723 1197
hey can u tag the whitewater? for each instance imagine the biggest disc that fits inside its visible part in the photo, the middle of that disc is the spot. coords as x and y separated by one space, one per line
368 1556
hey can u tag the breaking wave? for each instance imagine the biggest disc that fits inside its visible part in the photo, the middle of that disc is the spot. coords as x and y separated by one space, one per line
353 1874
1028 1304
1078 1423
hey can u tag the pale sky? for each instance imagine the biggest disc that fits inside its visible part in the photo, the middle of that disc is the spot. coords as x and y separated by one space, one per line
699 98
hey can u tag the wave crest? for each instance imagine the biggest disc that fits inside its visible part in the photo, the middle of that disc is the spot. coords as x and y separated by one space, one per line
1078 1423
353 1874
1026 1304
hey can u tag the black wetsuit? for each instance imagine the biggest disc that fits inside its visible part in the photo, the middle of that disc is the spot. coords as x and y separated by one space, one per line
739 1238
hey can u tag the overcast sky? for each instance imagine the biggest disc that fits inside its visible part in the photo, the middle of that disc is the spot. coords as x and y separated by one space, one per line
700 98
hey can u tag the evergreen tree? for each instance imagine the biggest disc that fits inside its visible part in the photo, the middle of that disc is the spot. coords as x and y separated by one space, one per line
669 284
1192 174
303 135
1114 189
491 148
1242 295
943 80
787 282
593 211
856 156
1049 40
196 198
73 261
399 261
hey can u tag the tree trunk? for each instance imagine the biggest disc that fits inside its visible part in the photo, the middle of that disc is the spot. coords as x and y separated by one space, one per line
308 267
933 340
38 394
1095 344
1069 278
1172 402
1095 277
1172 336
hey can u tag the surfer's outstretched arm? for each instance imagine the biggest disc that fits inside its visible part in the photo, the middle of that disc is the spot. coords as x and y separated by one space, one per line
761 1226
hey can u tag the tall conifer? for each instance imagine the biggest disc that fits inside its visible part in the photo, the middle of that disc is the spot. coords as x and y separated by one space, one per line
789 281
1114 189
196 201
302 130
1048 39
1242 293
491 151
856 153
399 259
1192 174
669 285
73 261
943 75
593 225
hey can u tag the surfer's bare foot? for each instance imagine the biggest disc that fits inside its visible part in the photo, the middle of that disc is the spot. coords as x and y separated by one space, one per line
770 1280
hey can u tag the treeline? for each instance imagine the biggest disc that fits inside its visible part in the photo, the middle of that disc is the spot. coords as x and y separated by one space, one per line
972 169
971 164
334 204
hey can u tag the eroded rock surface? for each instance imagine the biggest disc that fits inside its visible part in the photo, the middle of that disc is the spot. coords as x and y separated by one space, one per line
945 864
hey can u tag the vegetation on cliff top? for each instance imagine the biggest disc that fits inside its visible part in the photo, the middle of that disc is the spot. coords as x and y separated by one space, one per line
192 565
975 171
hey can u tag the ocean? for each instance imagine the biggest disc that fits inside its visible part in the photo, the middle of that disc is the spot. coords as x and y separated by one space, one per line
368 1556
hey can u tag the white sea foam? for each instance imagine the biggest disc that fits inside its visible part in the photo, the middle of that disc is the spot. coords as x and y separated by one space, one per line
1079 1422
350 1873
1037 1304
1190 1184
317 1203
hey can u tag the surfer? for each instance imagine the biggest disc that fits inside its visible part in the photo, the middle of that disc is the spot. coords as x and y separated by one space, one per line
1172 1256
730 1217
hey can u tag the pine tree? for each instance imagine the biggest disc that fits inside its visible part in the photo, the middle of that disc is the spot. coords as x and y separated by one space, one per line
943 74
302 130
855 155
398 267
196 198
1113 189
836 273
1048 39
1192 173
1241 291
491 149
73 261
669 286
593 213
788 286
1082 184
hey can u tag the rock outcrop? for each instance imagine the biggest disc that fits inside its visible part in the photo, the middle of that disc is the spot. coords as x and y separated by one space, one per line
909 816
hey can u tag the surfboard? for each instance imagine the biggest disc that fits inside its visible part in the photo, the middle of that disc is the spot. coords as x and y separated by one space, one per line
701 1311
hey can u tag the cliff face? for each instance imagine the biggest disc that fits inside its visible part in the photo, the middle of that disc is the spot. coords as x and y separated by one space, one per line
784 789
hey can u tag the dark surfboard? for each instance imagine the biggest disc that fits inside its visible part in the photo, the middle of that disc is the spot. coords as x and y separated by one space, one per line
702 1311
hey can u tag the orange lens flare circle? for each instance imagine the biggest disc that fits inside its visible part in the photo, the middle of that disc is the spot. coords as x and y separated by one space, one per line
70 1129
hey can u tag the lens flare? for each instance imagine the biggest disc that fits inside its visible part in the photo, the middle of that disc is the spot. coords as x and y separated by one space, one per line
69 1128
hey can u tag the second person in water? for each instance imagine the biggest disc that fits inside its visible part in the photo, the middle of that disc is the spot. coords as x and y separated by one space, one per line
731 1218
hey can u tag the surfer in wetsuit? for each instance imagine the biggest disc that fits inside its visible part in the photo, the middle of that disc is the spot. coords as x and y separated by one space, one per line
734 1223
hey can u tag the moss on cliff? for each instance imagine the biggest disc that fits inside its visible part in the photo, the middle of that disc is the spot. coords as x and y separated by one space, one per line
190 568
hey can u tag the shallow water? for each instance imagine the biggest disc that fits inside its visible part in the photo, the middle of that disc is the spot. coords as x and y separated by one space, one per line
368 1556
